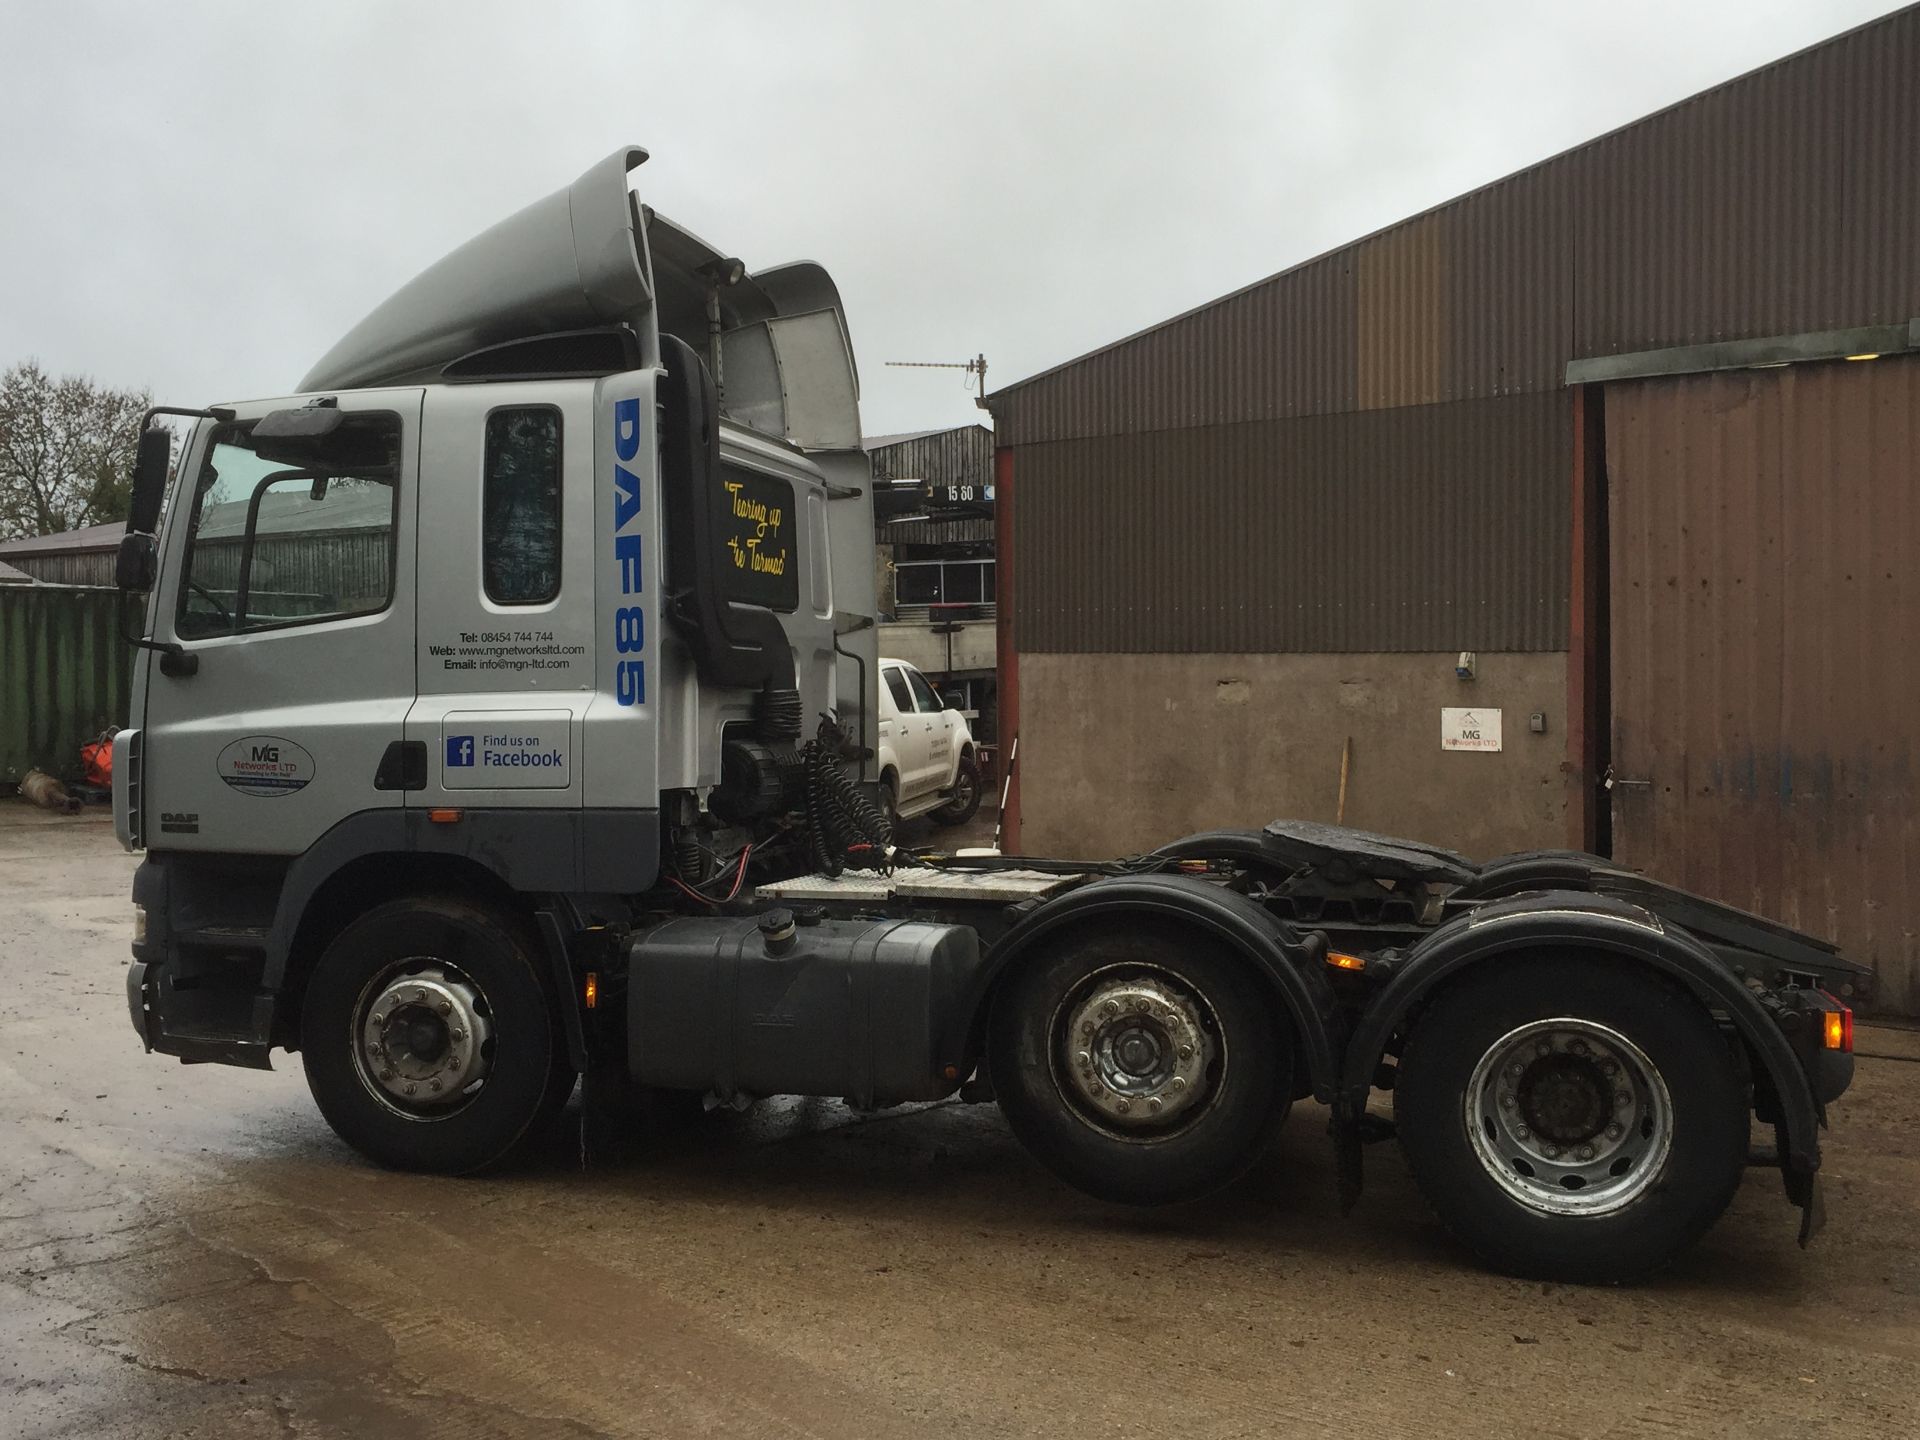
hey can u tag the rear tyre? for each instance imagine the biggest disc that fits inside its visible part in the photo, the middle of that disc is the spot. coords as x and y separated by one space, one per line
890 801
430 1040
1141 1066
966 795
1572 1118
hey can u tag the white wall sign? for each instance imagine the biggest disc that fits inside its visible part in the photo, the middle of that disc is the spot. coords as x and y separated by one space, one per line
1475 729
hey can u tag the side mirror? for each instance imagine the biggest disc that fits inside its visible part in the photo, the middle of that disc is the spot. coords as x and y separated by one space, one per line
955 700
150 480
133 566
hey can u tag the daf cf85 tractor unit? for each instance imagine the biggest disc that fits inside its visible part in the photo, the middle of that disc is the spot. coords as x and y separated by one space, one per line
505 711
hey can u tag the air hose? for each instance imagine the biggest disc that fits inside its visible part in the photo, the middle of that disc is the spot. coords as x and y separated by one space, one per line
845 830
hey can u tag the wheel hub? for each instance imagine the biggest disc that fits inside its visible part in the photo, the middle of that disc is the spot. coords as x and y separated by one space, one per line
1136 1052
423 1038
1569 1117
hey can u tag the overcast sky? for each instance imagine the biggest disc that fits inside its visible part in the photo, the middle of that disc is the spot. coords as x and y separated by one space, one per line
202 198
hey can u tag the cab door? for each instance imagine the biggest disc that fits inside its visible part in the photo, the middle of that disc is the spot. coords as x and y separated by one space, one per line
900 718
937 726
288 585
505 658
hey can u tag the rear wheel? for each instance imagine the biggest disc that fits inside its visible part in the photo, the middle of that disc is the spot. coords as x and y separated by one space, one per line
1574 1118
1140 1066
429 1038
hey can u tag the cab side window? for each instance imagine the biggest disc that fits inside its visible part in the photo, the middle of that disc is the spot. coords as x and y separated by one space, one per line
277 542
520 506
897 686
926 701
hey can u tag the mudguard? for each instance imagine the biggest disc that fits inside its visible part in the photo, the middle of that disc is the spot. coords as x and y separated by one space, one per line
1565 920
1291 962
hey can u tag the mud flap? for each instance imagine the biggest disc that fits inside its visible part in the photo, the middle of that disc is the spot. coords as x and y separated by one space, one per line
1346 1153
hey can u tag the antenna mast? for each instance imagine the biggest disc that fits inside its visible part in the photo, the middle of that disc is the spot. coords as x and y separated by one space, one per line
976 367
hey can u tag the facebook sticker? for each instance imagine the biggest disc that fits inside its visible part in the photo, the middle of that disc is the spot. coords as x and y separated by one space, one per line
460 750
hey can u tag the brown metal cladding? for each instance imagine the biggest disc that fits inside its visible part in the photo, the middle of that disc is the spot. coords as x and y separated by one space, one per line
1784 202
1437 527
1766 624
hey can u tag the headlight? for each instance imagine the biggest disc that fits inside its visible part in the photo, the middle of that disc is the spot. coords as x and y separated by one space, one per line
139 924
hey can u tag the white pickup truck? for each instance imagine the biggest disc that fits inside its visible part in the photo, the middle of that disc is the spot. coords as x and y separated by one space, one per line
928 764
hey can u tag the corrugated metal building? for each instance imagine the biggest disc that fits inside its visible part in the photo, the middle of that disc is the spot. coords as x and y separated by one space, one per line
1253 539
934 537
69 557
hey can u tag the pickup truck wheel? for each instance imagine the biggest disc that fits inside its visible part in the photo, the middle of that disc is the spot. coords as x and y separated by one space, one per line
890 802
1574 1118
429 1038
1142 1066
966 795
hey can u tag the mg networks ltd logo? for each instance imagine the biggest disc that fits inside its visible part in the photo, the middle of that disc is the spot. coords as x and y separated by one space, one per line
460 750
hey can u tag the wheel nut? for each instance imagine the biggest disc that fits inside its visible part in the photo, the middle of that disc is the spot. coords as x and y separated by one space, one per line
1154 1103
1516 1069
419 997
1122 1107
411 1089
1614 1132
1623 1098
1179 1082
1578 1047
1112 1007
1609 1067
1585 1152
1507 1102
446 1007
1543 1049
1084 1059
386 1074
378 1018
433 1084
1522 1133
1186 1052
1086 1031
1553 1152
458 1034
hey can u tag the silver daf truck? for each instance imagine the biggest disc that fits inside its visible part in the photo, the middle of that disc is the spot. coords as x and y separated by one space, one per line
505 712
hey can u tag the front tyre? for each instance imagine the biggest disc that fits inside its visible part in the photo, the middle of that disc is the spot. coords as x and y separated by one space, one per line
966 794
429 1038
1141 1066
1572 1118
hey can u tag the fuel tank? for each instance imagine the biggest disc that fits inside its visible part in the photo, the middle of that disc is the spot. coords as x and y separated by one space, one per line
789 1004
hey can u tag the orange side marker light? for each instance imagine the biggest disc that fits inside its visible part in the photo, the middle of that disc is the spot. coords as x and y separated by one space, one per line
1838 1031
1342 961
592 995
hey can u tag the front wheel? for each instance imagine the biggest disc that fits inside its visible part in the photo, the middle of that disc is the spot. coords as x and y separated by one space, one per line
429 1037
1572 1118
1141 1066
966 794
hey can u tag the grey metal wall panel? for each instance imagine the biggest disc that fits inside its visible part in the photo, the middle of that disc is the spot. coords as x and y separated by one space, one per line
962 456
68 567
65 675
1780 203
1439 527
1766 621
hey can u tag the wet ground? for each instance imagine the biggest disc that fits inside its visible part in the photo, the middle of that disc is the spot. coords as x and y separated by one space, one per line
188 1251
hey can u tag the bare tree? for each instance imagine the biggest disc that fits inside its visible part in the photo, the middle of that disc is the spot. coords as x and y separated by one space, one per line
66 451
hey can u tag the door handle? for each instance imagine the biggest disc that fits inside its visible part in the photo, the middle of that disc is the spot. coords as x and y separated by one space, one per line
179 663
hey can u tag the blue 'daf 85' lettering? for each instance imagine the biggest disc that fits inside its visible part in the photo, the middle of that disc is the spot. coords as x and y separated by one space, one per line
629 621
